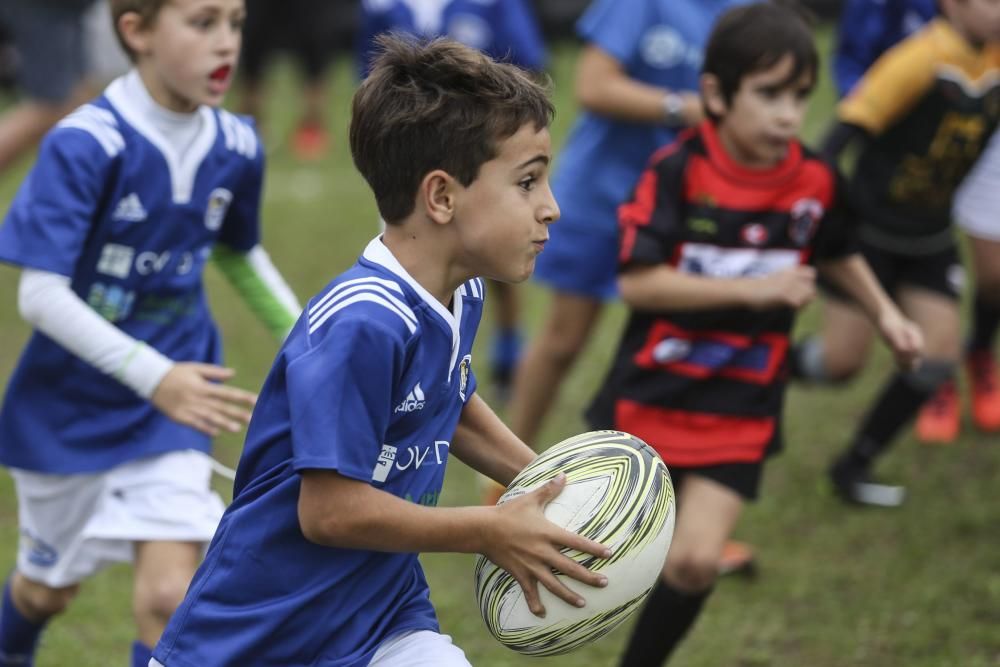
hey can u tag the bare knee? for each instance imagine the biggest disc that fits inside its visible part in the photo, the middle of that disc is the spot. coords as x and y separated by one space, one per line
160 597
692 571
39 602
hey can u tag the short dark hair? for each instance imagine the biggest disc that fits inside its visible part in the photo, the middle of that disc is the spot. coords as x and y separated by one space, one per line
147 10
751 38
436 104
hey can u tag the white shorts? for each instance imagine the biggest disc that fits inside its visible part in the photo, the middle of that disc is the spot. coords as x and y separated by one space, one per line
71 526
417 648
977 203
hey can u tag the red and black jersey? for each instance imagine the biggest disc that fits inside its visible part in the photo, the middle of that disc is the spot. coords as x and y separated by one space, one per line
706 387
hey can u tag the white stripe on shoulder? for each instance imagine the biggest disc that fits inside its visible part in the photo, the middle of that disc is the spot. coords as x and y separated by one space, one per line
356 281
482 288
100 124
238 133
361 297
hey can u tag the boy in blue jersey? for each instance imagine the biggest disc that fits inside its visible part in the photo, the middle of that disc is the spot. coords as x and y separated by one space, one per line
108 418
506 30
315 561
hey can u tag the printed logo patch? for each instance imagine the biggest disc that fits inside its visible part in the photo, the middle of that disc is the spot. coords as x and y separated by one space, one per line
806 214
463 373
218 205
115 260
754 234
414 401
384 463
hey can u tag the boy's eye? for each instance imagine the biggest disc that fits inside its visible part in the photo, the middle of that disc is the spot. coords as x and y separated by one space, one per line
238 22
527 183
203 22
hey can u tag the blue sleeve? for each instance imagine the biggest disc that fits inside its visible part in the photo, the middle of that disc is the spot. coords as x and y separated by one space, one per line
340 397
241 228
518 36
53 212
616 26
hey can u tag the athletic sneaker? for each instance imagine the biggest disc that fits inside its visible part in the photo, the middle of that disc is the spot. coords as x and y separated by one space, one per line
938 420
855 485
985 390
737 558
310 142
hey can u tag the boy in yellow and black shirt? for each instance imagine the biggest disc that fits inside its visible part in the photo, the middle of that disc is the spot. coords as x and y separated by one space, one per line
923 112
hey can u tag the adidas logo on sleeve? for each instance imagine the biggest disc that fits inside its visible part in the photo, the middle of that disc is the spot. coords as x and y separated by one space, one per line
413 401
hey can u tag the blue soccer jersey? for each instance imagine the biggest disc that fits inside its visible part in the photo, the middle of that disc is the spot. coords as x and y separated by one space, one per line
505 29
371 383
658 42
868 29
131 222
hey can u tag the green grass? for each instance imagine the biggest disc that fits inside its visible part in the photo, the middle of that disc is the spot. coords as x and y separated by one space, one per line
920 586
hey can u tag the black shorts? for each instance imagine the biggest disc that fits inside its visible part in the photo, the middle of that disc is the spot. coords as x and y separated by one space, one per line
743 478
940 272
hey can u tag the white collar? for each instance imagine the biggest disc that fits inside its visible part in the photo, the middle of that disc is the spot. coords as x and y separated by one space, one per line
130 98
378 253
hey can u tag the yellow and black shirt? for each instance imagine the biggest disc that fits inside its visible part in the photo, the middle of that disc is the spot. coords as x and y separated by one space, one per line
929 105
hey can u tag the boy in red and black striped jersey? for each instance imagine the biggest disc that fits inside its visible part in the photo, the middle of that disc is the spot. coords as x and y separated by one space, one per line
717 251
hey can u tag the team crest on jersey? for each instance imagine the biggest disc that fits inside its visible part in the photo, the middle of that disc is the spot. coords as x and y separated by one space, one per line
38 552
754 234
464 369
806 214
218 205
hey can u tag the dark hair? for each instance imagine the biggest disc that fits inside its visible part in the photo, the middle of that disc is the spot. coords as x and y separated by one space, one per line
751 38
435 105
147 10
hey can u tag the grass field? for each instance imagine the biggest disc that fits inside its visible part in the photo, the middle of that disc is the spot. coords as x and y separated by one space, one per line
837 586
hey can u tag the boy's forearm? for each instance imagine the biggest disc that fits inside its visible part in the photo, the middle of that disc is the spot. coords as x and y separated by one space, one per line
336 511
853 275
664 288
483 442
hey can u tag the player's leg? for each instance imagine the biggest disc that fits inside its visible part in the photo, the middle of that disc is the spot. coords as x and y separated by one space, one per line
26 608
980 358
254 57
707 513
420 648
568 322
49 40
163 508
53 556
310 23
975 207
163 571
579 268
839 351
938 317
506 346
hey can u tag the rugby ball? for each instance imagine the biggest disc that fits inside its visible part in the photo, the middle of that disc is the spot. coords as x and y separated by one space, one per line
618 492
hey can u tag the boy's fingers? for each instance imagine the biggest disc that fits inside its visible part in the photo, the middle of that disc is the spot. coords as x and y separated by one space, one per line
231 411
530 588
212 372
558 588
233 395
580 573
581 543
218 420
551 489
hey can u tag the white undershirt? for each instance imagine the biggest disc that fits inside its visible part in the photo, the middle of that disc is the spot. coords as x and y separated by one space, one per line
179 129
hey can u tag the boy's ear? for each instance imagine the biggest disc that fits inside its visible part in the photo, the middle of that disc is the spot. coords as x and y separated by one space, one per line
711 93
437 196
133 32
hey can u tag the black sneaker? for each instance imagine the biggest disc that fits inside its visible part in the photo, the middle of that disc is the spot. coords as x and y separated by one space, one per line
855 485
